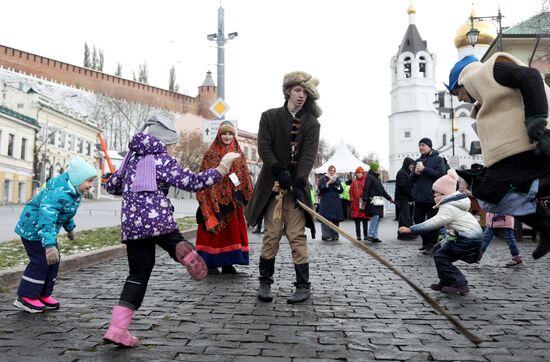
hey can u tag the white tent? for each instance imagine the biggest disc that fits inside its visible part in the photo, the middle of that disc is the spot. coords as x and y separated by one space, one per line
343 160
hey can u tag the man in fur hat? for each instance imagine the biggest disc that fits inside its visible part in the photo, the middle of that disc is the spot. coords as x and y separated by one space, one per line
288 140
511 109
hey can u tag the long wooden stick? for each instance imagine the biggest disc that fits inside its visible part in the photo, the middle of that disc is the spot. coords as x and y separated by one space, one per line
472 337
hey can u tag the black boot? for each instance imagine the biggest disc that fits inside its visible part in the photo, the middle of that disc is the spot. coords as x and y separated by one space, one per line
267 268
544 187
302 284
540 221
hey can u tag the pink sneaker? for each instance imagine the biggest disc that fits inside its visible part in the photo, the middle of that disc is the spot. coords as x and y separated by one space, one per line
29 305
515 262
49 302
186 255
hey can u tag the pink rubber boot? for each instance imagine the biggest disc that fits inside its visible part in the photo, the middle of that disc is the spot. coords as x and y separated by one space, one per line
118 329
186 255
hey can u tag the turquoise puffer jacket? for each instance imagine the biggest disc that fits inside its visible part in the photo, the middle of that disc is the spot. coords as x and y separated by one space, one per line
54 207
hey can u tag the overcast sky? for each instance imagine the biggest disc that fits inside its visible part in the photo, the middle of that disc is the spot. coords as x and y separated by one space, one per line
347 44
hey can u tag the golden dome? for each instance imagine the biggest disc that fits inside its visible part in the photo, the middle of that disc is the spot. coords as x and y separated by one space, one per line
411 9
487 32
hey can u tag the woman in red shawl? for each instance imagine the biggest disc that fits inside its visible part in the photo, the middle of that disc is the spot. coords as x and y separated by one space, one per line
222 238
358 213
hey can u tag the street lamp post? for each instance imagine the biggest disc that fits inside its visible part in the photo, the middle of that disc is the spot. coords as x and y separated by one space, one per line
473 33
220 40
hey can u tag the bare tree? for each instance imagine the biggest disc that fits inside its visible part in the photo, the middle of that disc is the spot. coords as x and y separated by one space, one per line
118 72
324 153
190 150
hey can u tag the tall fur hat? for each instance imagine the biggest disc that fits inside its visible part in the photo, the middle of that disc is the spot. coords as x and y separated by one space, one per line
310 85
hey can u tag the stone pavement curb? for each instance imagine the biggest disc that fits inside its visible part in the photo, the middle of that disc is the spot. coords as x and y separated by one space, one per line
10 277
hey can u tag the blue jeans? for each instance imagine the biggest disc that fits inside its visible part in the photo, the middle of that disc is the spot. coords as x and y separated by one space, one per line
373 227
445 254
489 233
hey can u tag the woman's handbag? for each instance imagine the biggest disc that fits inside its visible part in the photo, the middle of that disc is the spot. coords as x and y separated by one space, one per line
362 205
377 200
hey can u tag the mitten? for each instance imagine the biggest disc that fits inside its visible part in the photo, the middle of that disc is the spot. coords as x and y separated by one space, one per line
542 146
225 163
536 127
188 257
52 255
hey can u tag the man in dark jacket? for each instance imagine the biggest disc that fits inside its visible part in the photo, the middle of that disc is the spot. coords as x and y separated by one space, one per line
288 141
428 168
404 197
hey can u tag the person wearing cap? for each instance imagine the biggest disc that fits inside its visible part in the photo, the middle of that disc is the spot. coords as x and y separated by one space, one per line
222 238
511 109
403 196
147 215
288 141
428 168
357 205
464 235
40 222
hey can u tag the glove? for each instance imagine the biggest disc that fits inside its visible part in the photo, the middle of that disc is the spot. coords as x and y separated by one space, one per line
225 163
52 255
188 257
536 127
71 235
298 189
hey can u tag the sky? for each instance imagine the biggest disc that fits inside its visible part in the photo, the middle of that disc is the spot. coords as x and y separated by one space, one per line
346 44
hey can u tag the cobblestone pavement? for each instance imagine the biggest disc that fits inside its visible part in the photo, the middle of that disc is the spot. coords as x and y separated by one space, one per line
359 311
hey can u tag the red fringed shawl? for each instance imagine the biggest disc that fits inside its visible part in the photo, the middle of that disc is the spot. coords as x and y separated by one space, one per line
219 202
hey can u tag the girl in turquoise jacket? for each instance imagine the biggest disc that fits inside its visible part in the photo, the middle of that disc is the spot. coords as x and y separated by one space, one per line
40 222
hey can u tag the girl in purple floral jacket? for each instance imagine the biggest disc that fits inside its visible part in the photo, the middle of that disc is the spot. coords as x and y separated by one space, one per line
147 217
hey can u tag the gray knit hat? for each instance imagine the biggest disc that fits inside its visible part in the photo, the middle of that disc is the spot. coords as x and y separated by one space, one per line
310 85
162 128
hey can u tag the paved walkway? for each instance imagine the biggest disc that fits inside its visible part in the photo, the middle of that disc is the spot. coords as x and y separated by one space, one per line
359 311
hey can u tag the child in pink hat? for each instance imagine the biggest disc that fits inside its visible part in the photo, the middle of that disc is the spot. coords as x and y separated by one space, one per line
464 235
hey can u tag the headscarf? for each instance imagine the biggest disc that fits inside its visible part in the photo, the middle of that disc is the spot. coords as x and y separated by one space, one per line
219 202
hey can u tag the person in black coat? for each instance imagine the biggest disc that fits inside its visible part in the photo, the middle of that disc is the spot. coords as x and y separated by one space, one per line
428 168
330 206
404 197
373 189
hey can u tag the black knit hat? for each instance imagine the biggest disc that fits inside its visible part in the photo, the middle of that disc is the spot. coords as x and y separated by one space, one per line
426 141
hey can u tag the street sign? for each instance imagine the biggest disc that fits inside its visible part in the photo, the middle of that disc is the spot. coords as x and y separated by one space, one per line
219 108
210 129
453 161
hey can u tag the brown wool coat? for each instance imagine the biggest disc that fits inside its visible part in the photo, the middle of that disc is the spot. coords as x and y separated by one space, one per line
274 147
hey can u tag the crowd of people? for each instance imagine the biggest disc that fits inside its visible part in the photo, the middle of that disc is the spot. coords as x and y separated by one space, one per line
433 201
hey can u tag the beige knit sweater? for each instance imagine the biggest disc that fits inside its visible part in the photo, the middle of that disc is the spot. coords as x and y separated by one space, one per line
499 110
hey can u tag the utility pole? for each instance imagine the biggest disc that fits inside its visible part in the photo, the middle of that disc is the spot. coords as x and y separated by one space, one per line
220 40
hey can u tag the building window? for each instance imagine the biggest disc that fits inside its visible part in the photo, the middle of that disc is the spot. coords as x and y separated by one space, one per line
407 134
61 139
464 140
88 148
245 151
254 154
22 192
422 67
407 67
69 142
444 141
52 136
80 145
23 148
7 190
11 141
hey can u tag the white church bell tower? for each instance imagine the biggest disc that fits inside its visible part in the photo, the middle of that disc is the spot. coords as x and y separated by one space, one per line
413 115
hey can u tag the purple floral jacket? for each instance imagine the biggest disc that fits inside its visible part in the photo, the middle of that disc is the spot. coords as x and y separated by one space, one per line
150 213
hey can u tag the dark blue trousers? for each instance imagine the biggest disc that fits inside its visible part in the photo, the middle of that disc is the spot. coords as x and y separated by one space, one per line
445 254
39 277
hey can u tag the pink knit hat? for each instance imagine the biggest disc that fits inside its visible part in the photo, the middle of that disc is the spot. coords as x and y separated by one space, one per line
446 184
